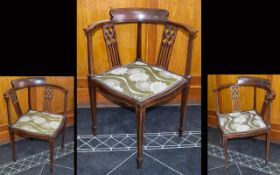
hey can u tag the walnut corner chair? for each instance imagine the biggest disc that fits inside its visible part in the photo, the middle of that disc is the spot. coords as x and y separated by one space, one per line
245 123
36 124
139 85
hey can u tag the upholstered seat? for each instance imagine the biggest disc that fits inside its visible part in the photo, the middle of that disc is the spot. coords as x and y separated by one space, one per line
139 80
39 122
237 122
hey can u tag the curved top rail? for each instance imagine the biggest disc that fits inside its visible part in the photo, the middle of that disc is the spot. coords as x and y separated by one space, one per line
254 81
248 81
138 14
97 24
24 82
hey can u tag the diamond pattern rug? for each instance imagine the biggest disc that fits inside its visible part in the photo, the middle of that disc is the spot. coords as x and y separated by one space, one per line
127 142
245 160
153 144
41 158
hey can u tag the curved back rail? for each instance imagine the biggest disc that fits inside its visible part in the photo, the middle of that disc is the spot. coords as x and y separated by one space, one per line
249 82
139 16
11 94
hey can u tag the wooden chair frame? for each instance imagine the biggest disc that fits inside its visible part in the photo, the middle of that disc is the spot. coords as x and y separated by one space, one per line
139 16
10 95
266 107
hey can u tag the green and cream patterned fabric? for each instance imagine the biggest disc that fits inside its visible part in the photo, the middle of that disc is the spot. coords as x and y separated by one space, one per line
240 122
39 122
139 80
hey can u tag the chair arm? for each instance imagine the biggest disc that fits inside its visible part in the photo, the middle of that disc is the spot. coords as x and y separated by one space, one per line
7 100
271 96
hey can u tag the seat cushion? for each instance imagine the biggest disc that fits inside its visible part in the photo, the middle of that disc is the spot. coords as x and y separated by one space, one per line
240 122
139 80
39 122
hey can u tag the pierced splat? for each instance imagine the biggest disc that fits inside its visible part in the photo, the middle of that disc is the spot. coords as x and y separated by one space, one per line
13 96
48 96
235 98
166 46
15 102
110 37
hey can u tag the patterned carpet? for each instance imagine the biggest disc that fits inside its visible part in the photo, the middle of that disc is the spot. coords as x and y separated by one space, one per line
246 156
113 150
33 157
27 165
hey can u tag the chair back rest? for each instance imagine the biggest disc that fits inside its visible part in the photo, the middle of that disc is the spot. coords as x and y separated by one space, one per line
29 83
139 16
249 82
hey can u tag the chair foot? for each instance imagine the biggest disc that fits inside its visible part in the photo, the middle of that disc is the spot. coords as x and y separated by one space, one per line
13 144
267 149
221 143
226 164
62 143
94 130
139 162
225 151
63 135
180 132
52 143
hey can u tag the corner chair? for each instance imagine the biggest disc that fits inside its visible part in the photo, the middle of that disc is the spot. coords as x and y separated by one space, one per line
45 124
139 85
245 123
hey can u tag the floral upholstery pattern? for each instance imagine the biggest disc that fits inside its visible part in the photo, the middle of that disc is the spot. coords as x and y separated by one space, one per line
39 122
237 122
139 80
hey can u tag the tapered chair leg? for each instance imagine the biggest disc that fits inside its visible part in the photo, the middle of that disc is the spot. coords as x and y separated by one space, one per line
92 95
140 114
221 137
225 151
51 153
267 147
63 135
12 138
184 100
